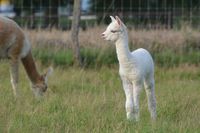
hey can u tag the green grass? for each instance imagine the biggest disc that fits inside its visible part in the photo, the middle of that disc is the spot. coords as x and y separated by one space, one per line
64 57
93 57
92 100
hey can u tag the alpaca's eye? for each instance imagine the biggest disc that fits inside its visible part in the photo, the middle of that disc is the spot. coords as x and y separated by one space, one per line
113 31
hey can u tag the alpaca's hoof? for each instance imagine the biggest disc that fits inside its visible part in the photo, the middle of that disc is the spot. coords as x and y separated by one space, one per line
132 117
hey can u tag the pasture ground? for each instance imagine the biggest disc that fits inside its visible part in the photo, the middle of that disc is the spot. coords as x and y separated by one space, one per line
92 101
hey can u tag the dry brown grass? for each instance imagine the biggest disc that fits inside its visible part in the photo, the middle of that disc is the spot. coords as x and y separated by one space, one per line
153 40
90 37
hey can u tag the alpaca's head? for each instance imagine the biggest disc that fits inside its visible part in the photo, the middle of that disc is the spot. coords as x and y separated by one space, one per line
115 29
41 85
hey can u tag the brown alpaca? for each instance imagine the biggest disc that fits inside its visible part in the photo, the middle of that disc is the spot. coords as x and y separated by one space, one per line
14 45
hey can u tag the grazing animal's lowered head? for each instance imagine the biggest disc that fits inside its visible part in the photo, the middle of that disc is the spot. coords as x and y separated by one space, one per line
115 30
40 86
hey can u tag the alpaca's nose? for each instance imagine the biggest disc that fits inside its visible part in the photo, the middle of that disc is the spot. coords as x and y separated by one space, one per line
103 35
45 88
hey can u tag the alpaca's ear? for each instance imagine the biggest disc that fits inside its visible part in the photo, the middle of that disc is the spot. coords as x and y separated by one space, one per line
112 18
49 72
118 20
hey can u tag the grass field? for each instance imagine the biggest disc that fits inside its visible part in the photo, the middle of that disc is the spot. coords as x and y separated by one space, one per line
92 101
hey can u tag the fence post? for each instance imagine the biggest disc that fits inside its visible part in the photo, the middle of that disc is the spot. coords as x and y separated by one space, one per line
75 31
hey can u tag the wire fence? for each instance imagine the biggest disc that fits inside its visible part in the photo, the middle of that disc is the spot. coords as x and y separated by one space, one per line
136 13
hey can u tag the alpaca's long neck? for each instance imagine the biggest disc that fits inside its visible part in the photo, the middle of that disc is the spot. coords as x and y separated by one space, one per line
30 67
123 52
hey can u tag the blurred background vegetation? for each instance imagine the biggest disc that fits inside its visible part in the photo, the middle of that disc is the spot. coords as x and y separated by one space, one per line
169 48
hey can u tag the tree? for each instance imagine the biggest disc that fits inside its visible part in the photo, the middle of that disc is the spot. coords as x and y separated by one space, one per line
75 31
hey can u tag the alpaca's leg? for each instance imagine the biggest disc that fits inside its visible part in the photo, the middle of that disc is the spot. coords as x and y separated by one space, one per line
150 92
129 99
14 75
136 95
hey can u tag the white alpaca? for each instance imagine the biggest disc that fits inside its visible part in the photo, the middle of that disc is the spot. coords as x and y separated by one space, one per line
136 70
15 46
